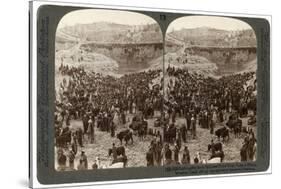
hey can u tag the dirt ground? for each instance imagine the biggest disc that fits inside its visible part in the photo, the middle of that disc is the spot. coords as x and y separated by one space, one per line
136 152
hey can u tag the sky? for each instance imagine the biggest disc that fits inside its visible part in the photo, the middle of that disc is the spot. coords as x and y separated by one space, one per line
131 18
223 23
95 15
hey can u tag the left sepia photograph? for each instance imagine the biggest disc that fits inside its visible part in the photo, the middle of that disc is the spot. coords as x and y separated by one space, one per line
108 89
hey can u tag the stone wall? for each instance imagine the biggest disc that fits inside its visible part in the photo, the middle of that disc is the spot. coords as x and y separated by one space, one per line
224 55
127 55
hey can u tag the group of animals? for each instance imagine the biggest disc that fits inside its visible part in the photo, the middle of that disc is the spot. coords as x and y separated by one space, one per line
233 124
139 127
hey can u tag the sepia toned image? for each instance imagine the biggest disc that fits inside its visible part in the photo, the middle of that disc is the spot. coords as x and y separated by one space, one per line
108 89
210 90
129 95
126 94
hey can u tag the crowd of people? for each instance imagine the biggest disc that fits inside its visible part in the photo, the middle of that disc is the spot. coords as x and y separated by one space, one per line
101 101
198 93
105 102
206 101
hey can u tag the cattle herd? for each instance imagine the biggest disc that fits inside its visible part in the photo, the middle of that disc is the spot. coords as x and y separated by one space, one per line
134 108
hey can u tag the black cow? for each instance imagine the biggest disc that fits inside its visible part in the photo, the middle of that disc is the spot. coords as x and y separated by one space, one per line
126 135
120 151
234 123
140 127
215 147
222 132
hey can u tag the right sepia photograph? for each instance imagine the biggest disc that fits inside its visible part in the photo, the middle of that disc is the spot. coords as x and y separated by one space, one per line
210 90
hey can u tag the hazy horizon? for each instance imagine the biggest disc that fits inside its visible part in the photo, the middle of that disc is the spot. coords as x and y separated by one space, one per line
90 16
215 22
